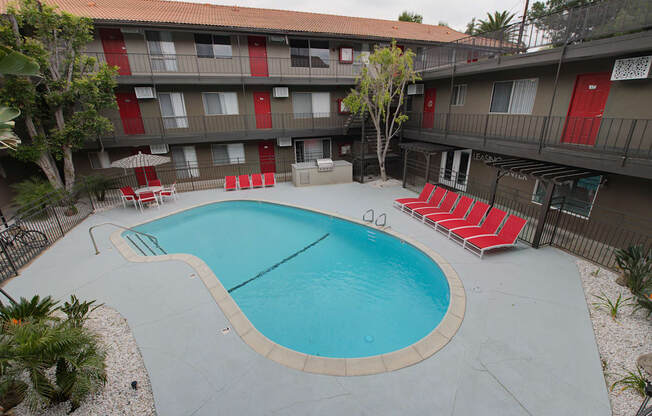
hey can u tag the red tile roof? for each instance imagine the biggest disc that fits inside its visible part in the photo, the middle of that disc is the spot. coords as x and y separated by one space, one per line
173 12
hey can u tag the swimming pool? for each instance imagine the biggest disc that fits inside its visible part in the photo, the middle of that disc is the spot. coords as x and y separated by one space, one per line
313 283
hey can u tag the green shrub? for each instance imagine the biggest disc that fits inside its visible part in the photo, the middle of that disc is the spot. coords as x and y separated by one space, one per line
97 185
77 312
32 194
644 301
636 264
28 310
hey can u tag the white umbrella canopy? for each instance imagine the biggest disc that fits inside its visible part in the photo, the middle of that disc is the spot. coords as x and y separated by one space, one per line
140 160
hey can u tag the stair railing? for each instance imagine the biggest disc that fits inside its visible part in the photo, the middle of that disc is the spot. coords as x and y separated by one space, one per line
152 238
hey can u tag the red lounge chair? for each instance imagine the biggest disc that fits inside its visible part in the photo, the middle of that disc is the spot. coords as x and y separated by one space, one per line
147 198
243 180
489 226
270 179
460 211
423 196
505 238
445 207
230 183
155 182
475 216
433 202
127 194
257 180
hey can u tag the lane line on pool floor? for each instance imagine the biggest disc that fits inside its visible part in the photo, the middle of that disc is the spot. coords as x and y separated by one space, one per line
269 269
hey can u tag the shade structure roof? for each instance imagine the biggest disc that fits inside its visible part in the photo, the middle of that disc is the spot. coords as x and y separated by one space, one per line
544 171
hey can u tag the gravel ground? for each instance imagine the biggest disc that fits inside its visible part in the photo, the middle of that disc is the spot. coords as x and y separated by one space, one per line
124 364
620 342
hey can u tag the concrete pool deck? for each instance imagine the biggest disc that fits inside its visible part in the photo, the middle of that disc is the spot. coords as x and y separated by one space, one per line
525 347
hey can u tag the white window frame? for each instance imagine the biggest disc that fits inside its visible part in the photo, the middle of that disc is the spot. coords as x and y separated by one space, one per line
215 56
312 107
457 157
237 104
189 170
170 59
294 147
101 156
511 96
460 102
228 153
574 214
180 120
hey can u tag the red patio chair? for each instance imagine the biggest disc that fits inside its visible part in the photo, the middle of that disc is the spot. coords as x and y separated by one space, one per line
460 211
270 179
433 202
473 219
423 196
127 194
257 180
147 198
155 182
489 226
445 207
505 238
243 181
230 183
169 192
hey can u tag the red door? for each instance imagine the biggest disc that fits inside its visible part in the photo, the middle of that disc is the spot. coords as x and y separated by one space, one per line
147 173
115 50
132 122
263 110
429 108
586 108
258 56
266 156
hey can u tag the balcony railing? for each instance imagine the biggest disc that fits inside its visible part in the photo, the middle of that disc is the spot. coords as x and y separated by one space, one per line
225 125
600 19
240 66
618 136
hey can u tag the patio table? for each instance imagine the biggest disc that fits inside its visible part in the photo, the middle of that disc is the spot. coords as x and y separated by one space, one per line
155 189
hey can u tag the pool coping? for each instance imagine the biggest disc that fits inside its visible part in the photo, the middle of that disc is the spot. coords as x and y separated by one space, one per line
376 364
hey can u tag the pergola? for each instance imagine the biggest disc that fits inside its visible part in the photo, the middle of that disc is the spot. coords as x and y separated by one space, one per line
426 149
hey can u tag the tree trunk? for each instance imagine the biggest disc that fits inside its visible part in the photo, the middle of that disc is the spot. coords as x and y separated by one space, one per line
46 163
68 168
381 155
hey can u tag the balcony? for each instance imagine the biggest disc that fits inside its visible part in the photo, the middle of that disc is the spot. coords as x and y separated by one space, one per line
615 145
193 129
142 67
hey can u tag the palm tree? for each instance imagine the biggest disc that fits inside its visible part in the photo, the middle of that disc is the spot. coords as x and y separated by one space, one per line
495 25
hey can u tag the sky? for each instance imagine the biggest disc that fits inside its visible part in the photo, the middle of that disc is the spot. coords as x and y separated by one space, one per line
433 11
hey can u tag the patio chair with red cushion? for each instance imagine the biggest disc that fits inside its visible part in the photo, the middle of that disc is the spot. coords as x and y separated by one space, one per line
155 182
147 198
460 211
257 180
489 226
127 194
473 219
445 207
505 238
433 202
169 192
243 181
423 196
230 183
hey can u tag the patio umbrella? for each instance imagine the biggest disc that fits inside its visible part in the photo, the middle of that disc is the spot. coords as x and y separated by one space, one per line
140 160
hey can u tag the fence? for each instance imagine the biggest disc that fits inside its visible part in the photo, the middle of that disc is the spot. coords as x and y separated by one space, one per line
594 238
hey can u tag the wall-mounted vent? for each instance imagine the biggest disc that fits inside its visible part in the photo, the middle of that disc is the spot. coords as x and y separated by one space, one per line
415 89
281 92
159 148
632 68
278 39
284 141
144 92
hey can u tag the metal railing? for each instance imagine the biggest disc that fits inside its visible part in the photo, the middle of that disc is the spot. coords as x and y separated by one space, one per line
210 126
241 66
618 136
597 20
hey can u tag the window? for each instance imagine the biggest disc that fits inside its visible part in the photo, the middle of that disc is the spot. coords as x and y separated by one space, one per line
454 168
220 103
514 97
579 194
213 46
185 162
161 50
311 104
313 149
309 53
99 160
173 110
459 94
228 154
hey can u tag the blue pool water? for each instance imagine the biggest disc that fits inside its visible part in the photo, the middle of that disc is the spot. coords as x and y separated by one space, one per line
352 292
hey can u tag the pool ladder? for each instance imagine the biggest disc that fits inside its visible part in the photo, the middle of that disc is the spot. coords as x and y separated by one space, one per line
152 248
366 218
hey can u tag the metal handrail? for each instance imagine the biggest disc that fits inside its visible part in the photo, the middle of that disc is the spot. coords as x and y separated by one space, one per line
364 216
97 251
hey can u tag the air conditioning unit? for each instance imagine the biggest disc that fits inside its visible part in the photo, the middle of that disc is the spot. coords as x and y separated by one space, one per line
415 89
281 92
144 92
278 39
159 148
632 68
284 141
137 30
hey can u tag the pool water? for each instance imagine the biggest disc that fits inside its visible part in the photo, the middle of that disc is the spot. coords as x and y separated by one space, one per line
310 282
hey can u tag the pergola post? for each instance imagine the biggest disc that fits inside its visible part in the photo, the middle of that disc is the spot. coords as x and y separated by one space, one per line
494 186
427 167
405 156
543 214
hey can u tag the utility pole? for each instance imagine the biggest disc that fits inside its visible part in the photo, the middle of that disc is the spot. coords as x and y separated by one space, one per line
522 28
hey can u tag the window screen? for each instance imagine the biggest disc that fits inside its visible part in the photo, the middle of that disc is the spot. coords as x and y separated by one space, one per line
302 104
220 103
501 96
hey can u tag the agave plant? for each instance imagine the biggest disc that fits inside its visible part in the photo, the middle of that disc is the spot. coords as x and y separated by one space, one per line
636 264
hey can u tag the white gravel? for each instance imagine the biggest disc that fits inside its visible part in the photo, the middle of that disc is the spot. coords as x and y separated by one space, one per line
124 364
620 342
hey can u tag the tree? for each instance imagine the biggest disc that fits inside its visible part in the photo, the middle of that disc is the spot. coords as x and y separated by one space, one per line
495 25
62 108
380 91
471 27
407 16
